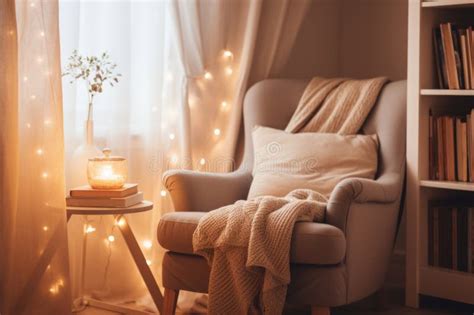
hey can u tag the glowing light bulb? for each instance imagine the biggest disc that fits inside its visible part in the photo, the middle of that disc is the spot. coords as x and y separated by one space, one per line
147 244
39 151
11 32
207 75
47 122
33 97
228 70
25 78
217 132
148 262
45 228
89 229
32 4
28 125
228 54
202 161
44 175
174 159
172 136
120 222
224 104
163 193
54 289
111 238
42 34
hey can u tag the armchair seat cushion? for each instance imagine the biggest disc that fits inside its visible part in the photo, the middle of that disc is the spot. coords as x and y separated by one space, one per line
312 243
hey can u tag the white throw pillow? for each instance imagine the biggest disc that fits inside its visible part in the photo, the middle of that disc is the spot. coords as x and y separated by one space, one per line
318 161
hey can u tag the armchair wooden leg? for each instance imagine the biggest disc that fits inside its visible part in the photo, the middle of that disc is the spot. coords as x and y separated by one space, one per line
169 301
320 310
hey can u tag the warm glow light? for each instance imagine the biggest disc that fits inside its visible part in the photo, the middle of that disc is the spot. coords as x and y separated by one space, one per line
47 122
89 229
202 161
228 54
45 175
39 151
54 289
147 244
32 4
228 70
28 125
224 104
172 136
33 97
111 238
45 228
42 34
120 222
174 159
39 59
207 75
163 193
11 32
148 262
25 78
217 131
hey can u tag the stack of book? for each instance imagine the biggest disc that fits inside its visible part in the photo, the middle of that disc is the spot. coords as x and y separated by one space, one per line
451 236
451 147
454 53
85 196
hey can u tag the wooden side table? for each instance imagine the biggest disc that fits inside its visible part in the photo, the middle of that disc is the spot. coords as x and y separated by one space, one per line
133 247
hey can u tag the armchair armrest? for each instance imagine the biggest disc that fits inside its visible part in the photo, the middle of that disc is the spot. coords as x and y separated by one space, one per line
384 190
200 191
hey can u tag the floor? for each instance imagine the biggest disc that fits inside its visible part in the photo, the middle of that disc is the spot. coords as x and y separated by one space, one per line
393 306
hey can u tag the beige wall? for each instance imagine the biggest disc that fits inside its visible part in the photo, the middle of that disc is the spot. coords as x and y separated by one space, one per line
353 38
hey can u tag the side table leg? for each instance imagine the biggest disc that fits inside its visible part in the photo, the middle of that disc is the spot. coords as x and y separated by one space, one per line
140 261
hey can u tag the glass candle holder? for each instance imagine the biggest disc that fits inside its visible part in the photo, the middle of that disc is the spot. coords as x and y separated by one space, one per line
107 172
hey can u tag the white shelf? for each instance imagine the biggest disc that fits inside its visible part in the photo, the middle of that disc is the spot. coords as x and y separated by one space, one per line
447 185
447 3
447 92
447 284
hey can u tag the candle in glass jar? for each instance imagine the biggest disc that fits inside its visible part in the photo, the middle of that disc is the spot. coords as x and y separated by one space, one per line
107 172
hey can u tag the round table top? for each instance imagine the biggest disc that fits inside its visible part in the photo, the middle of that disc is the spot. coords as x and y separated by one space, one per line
143 206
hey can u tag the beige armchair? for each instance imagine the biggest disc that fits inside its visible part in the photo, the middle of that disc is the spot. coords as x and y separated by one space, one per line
334 263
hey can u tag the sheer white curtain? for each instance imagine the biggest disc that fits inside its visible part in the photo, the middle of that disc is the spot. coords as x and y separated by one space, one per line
185 67
34 270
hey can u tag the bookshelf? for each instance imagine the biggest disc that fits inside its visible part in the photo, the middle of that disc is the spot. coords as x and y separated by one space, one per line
423 95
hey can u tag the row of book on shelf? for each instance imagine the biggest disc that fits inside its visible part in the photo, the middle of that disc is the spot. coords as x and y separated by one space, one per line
454 54
451 236
451 147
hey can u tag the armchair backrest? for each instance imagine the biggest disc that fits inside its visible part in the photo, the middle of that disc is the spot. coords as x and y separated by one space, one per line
271 103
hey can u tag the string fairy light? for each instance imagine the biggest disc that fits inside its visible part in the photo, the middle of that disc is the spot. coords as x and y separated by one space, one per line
217 132
147 244
45 175
174 159
39 151
42 34
208 75
148 262
111 238
163 193
172 136
45 228
202 161
228 71
120 222
228 54
25 78
89 229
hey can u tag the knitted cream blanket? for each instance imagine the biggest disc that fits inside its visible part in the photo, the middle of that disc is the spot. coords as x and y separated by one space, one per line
247 244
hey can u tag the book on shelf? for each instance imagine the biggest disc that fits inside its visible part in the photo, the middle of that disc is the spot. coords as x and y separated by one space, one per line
120 202
454 56
451 147
89 192
451 235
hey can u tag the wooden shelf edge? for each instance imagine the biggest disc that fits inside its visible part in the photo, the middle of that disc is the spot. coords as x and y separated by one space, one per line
447 185
447 92
447 284
446 3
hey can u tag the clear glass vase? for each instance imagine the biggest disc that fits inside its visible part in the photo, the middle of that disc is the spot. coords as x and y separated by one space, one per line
81 156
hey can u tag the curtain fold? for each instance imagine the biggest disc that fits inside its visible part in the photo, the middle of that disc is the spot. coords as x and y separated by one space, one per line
35 270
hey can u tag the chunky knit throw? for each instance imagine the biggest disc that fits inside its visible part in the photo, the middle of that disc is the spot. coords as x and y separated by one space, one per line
247 244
